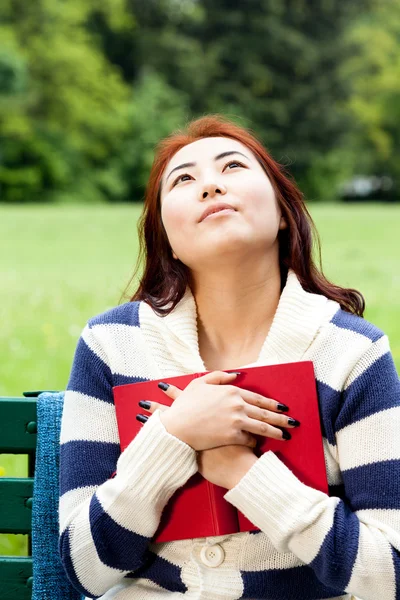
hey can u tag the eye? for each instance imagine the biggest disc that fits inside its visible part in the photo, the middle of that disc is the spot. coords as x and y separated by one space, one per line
180 177
233 162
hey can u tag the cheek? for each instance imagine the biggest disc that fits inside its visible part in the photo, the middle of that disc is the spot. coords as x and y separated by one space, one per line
172 214
175 218
260 200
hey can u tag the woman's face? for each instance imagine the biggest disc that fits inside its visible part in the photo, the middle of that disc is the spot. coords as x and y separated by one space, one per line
207 172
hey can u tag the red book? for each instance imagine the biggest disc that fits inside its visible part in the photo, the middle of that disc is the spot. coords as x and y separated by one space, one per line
198 508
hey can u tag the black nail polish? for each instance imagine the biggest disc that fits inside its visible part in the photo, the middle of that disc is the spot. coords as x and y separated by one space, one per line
163 386
293 422
145 404
286 435
142 418
282 407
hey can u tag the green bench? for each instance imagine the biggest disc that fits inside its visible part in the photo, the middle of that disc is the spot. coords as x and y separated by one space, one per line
18 436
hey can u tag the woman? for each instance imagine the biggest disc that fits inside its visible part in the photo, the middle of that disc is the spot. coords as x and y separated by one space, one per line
229 281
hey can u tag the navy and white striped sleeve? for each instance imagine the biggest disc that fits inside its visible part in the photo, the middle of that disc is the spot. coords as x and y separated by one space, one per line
107 523
352 544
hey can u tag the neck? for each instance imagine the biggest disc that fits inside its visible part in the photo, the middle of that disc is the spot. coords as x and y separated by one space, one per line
235 309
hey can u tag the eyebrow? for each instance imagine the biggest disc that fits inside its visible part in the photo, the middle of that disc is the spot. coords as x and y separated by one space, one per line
193 164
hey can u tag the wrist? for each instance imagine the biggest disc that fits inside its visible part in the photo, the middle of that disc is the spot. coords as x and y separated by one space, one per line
170 426
241 468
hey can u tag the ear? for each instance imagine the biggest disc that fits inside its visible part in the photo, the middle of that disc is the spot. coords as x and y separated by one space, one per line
283 224
174 256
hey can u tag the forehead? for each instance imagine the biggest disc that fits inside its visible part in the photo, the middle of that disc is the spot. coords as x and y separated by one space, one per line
204 149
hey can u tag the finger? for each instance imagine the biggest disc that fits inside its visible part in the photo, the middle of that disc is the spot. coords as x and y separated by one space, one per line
150 406
153 407
217 377
170 390
268 416
262 401
265 430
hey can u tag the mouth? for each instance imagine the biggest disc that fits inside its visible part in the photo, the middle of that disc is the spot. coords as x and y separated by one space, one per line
217 209
218 213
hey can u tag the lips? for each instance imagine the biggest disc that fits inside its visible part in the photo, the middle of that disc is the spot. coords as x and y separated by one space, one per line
215 208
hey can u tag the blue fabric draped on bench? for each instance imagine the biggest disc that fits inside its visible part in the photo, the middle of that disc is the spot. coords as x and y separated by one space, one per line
49 579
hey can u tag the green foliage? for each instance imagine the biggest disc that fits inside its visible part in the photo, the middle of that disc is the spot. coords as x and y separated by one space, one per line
273 65
13 75
78 131
154 111
51 138
373 69
88 88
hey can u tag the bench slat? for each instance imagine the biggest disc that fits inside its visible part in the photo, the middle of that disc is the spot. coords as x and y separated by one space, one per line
18 425
16 505
16 577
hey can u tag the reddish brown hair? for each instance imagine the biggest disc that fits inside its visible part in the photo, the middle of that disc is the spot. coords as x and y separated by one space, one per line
165 279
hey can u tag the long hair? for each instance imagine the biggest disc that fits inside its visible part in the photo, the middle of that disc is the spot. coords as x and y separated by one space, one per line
165 279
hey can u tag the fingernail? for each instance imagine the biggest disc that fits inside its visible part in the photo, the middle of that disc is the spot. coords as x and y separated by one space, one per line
163 386
144 404
286 435
282 407
234 373
293 422
142 418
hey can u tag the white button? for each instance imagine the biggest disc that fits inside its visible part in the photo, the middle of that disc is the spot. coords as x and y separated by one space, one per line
212 556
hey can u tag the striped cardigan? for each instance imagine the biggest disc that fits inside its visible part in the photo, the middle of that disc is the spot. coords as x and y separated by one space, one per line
310 545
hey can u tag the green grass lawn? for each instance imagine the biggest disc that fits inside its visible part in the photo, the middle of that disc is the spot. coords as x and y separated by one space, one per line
61 265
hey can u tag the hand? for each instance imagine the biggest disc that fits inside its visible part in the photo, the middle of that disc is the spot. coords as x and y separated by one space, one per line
210 413
225 465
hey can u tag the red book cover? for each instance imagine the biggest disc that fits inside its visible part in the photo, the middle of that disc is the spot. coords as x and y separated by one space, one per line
198 508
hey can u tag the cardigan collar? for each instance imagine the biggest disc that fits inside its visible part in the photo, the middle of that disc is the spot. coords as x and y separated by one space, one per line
297 320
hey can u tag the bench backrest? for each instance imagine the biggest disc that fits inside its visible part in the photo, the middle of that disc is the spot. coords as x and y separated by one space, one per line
18 425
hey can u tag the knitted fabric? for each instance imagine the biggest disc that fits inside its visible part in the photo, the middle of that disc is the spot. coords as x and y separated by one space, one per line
49 578
310 545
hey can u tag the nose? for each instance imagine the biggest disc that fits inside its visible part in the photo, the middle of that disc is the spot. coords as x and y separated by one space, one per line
211 188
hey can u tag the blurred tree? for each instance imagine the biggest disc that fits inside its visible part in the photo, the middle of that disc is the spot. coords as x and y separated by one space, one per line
373 70
87 89
68 106
154 111
273 64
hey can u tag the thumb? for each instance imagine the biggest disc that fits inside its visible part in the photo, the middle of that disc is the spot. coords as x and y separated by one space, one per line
218 377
